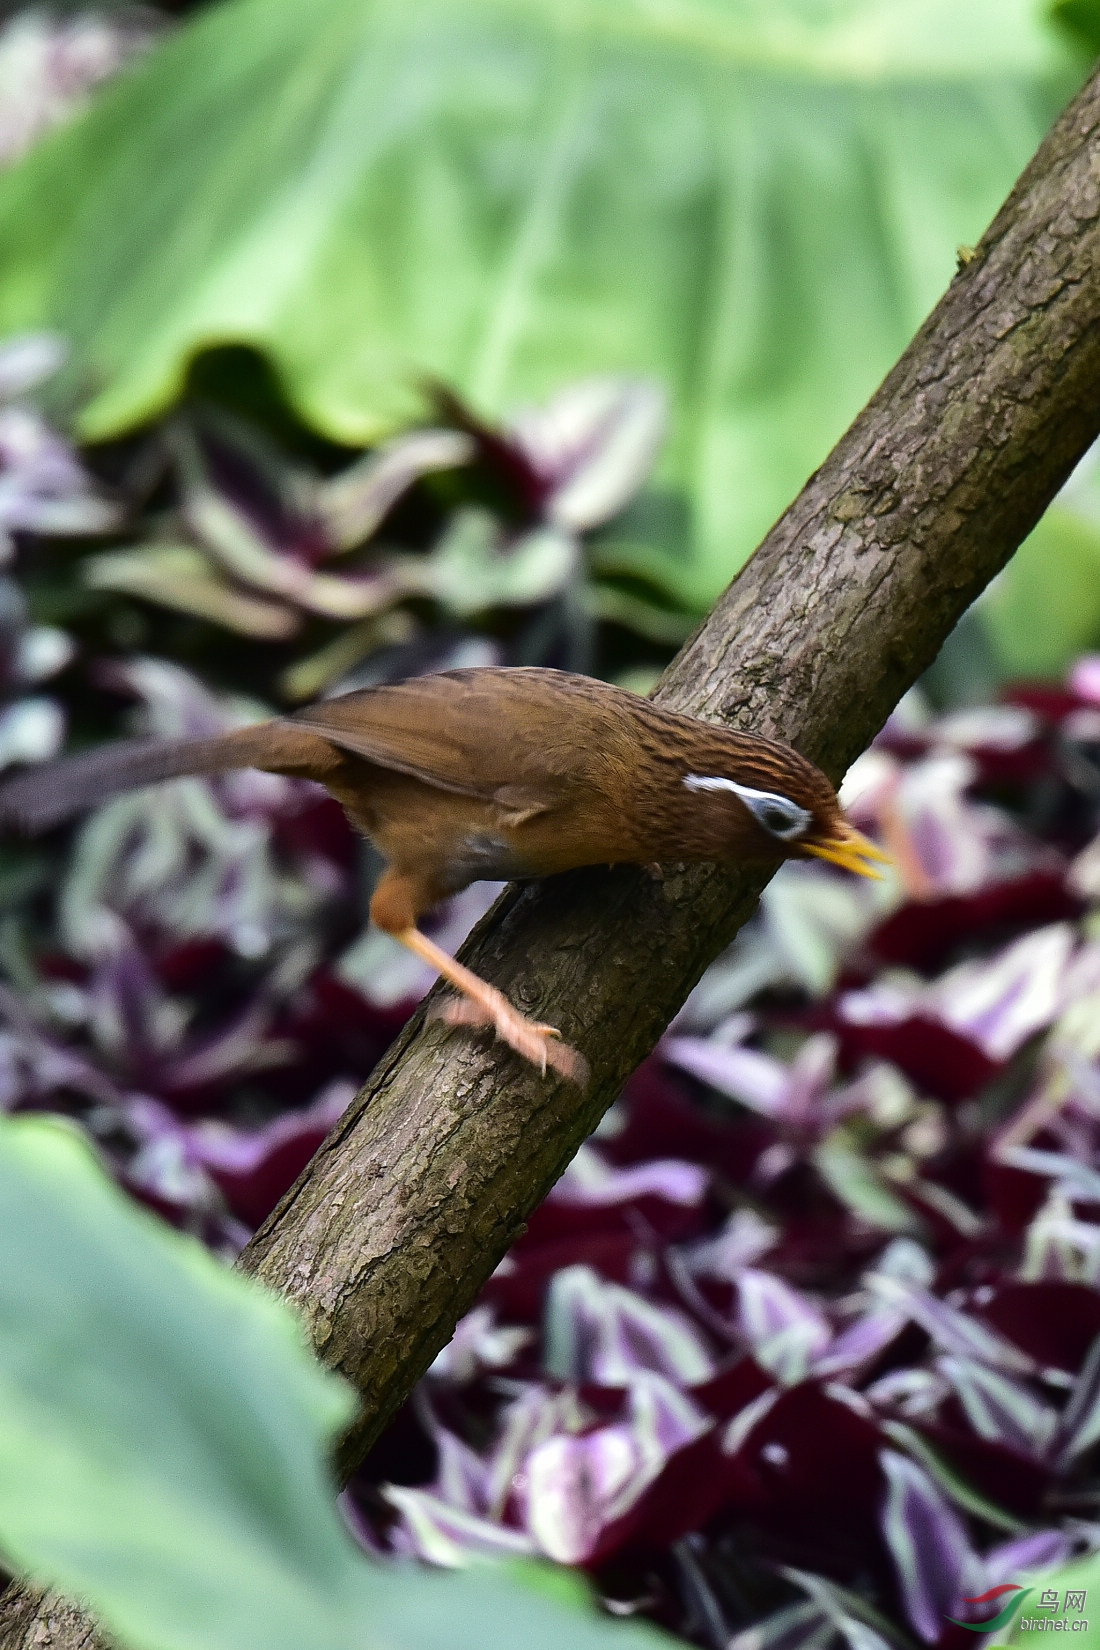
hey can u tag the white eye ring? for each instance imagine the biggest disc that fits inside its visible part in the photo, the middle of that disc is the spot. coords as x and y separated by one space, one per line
776 814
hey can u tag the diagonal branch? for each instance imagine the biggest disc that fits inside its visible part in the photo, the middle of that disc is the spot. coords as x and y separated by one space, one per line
389 1234
410 1204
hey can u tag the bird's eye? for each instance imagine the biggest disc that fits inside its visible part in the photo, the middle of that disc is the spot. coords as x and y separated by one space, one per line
776 814
779 816
774 818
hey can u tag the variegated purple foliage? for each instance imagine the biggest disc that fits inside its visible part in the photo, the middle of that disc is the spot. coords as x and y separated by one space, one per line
180 992
44 489
280 553
804 1348
50 65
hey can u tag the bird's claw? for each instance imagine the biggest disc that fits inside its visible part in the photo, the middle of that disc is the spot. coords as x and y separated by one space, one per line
540 1044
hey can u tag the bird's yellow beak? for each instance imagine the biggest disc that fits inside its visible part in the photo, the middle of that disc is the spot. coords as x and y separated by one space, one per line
852 851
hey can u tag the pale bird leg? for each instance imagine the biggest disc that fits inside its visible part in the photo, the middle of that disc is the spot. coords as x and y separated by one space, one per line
483 1005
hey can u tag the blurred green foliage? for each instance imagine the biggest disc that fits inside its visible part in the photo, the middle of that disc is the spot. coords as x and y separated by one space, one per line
1082 19
1044 610
1082 1576
754 203
164 1441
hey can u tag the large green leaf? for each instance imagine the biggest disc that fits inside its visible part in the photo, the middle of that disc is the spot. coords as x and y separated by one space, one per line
161 1421
754 201
163 1435
1044 609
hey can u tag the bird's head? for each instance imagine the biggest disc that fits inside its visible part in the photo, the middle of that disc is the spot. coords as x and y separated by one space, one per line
778 803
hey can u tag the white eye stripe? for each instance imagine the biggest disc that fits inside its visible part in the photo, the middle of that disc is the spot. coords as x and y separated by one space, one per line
703 782
777 814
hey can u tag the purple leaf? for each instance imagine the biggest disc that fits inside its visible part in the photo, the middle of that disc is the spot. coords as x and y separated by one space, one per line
36 1068
860 1343
797 1627
43 487
28 358
48 67
997 1003
174 703
593 445
928 1544
601 1332
1028 1554
478 1344
577 1487
786 1332
953 1331
353 504
591 1182
743 1238
1000 1409
796 1095
742 1074
437 1533
462 1479
1084 678
253 1170
1079 1424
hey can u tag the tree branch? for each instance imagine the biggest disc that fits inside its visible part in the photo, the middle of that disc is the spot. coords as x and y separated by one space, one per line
390 1232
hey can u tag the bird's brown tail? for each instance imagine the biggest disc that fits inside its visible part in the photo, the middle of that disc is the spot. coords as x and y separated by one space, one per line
39 798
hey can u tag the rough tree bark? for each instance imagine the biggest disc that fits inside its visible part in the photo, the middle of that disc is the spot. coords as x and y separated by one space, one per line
412 1201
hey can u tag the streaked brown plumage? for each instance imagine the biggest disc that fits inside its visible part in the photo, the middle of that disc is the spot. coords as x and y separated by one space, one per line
475 774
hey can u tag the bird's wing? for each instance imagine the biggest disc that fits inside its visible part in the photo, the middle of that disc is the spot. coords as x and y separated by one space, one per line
502 735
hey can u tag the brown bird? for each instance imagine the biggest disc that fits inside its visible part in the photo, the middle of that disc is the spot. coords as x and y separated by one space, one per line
475 774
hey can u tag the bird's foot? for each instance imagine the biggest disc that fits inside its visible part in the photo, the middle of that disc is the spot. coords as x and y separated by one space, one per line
481 1004
540 1044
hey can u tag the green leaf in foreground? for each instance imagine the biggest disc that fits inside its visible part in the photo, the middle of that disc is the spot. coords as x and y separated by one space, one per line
1080 1626
753 201
164 1429
163 1445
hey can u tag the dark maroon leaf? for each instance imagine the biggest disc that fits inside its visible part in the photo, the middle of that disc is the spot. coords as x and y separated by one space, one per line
816 1482
1015 1196
1054 1322
927 934
939 1061
320 829
663 1121
1050 703
517 1288
1010 1480
732 1389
